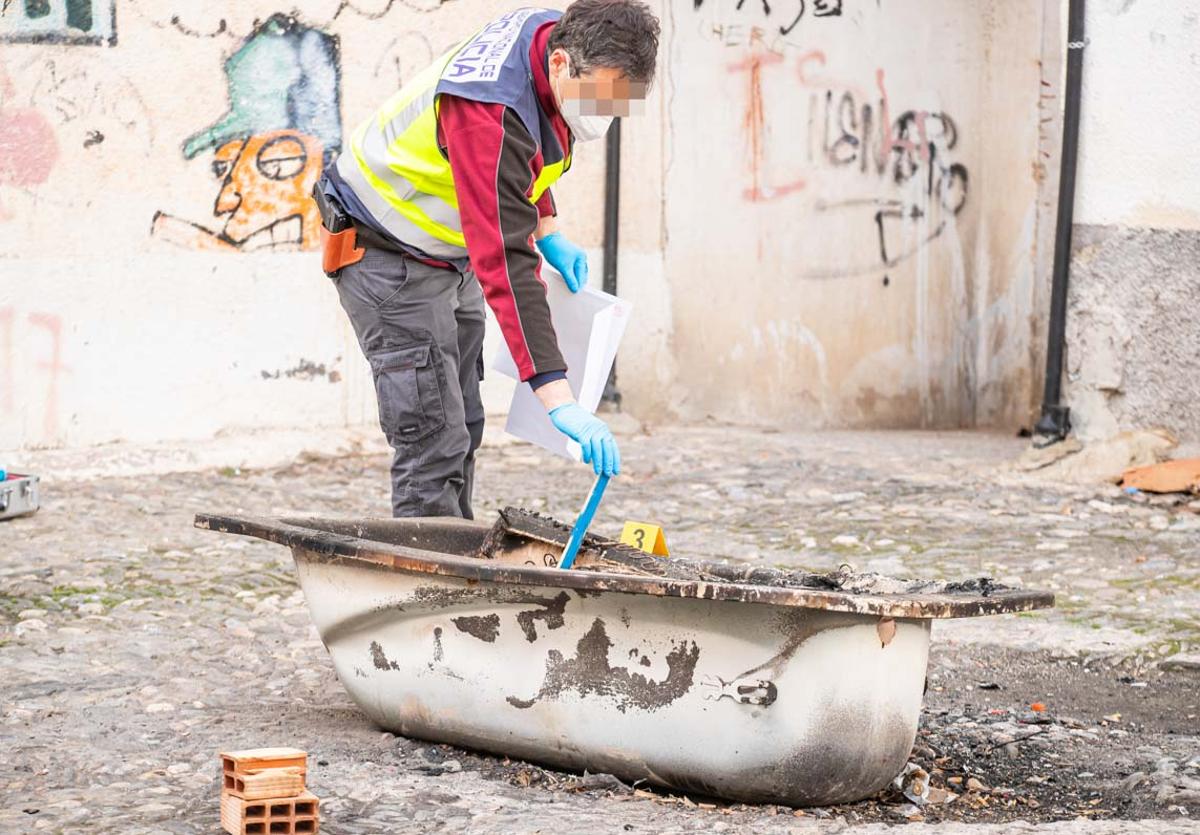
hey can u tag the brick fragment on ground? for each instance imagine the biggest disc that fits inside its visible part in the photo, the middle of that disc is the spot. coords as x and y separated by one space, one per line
258 759
274 816
270 782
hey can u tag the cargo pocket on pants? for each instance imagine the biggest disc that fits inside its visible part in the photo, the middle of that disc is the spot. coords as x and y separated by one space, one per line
408 383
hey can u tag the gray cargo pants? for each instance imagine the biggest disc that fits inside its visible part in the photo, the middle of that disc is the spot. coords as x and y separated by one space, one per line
421 329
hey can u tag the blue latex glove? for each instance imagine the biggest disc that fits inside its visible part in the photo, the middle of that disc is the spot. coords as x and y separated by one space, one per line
592 434
565 257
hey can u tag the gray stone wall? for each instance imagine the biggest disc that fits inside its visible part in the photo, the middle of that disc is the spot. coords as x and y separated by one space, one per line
1133 333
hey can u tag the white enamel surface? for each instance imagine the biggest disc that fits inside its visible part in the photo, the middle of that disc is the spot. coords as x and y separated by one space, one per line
840 727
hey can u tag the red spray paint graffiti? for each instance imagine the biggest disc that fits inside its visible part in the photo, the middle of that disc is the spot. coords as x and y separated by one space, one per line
7 316
50 364
754 124
28 147
53 366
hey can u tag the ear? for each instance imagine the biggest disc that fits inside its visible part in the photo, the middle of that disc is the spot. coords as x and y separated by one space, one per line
558 61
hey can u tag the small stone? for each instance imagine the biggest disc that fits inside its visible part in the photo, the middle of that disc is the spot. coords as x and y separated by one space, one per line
90 609
845 540
444 767
1051 546
30 625
155 809
1067 533
1185 662
237 629
940 795
160 707
974 785
26 614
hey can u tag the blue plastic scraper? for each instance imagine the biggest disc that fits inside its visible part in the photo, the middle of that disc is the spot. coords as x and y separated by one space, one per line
583 522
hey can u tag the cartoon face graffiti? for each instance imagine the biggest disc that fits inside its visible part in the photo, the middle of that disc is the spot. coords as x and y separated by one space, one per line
266 181
283 126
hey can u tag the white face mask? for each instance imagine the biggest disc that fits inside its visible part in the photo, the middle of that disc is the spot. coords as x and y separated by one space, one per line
587 128
583 127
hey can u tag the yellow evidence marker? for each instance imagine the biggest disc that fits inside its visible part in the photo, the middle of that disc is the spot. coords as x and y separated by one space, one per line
645 537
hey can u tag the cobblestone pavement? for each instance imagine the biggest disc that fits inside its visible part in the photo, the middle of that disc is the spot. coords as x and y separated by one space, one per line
133 647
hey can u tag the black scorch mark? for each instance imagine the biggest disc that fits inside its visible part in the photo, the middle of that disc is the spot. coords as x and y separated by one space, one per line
380 660
551 612
483 627
589 672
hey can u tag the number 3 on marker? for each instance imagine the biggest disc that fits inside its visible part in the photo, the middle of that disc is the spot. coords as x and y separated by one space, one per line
645 537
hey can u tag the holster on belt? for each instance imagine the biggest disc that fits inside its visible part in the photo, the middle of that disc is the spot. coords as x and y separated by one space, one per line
339 238
339 249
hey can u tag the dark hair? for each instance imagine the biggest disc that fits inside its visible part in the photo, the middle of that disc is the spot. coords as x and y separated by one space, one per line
620 34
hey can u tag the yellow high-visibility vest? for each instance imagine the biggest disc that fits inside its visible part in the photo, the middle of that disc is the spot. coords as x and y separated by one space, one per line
393 162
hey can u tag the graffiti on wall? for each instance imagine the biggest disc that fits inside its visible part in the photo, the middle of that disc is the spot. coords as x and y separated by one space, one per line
914 153
405 55
51 106
236 21
910 185
40 336
28 145
282 127
58 21
782 15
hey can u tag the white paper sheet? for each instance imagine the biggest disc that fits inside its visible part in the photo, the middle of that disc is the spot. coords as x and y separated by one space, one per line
589 325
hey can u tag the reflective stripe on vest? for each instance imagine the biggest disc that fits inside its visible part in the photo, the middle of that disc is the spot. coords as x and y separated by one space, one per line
397 170
400 175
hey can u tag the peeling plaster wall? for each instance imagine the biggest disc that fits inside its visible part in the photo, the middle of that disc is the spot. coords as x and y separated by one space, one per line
1133 338
158 278
854 202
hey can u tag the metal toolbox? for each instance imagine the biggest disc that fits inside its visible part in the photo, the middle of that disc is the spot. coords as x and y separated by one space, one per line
18 495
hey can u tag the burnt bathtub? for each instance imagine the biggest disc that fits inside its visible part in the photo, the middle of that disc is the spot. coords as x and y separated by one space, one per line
731 687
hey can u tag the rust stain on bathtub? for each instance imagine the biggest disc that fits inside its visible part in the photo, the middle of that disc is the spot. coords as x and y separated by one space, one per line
589 672
887 630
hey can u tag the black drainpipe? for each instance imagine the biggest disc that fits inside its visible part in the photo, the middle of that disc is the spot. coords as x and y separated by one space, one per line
612 213
1055 421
